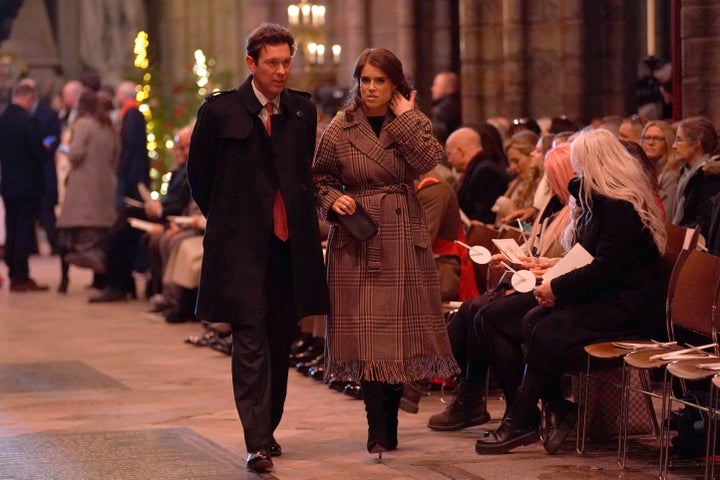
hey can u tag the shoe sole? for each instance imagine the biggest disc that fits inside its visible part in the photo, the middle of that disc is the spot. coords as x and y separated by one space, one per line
553 442
487 448
460 426
260 466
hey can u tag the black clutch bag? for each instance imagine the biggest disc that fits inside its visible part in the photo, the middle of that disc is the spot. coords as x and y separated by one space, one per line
360 224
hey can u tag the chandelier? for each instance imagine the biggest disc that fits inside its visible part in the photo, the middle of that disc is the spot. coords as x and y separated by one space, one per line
307 21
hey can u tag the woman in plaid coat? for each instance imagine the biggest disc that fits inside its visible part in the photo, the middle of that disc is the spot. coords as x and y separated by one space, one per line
386 325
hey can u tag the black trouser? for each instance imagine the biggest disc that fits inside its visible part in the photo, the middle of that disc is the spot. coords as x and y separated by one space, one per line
47 221
20 217
464 344
121 250
261 353
498 327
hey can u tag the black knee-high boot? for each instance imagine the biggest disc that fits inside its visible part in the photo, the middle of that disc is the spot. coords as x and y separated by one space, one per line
393 394
375 407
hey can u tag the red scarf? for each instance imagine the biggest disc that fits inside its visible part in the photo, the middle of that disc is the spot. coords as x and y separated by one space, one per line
127 106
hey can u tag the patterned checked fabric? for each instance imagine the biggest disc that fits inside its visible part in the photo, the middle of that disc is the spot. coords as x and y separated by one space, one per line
279 214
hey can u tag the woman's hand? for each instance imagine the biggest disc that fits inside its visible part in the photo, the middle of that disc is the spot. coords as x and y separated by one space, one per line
544 295
522 214
344 205
399 104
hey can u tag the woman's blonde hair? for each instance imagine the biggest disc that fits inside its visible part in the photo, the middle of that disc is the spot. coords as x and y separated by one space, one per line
607 169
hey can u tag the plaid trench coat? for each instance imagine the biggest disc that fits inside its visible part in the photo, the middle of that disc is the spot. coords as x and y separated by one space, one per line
385 322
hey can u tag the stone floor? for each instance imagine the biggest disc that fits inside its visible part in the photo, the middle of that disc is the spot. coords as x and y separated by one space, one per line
106 391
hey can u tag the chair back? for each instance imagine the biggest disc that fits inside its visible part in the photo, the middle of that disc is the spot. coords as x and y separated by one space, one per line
692 299
678 239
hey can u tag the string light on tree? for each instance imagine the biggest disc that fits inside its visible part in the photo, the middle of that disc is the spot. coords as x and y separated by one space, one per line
201 71
142 96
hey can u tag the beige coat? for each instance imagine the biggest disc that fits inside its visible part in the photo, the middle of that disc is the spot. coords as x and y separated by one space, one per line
91 184
386 322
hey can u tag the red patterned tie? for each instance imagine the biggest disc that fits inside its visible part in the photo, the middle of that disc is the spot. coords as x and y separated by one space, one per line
279 215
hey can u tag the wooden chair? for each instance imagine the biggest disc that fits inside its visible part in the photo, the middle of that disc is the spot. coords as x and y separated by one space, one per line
605 355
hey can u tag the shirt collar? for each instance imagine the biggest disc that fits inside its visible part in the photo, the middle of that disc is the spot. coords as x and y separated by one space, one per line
263 99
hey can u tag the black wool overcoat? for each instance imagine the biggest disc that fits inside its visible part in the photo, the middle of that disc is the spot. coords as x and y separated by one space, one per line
234 170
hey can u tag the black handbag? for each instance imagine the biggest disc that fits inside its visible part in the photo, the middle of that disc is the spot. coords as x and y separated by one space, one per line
360 224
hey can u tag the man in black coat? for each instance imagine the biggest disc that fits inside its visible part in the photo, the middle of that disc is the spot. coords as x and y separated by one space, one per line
22 184
49 124
249 172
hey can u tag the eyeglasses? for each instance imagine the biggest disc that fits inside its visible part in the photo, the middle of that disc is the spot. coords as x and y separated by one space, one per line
652 139
680 140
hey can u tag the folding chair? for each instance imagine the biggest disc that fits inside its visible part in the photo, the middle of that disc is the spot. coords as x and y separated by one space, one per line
606 355
691 305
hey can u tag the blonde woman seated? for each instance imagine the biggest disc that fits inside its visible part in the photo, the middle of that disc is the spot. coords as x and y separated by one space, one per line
521 191
619 294
656 141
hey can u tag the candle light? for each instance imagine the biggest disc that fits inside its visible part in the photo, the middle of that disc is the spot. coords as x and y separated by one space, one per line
336 53
312 52
321 15
320 54
650 28
315 15
293 14
305 13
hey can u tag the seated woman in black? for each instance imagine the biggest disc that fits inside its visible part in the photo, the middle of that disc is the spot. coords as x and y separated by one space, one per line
618 295
468 408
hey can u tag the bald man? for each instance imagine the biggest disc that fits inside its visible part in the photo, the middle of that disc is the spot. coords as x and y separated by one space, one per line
482 182
445 112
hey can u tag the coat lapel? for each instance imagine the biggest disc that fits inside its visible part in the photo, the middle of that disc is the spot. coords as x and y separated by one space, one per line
362 137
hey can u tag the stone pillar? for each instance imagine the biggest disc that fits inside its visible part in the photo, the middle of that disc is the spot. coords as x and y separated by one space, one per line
554 69
481 59
700 41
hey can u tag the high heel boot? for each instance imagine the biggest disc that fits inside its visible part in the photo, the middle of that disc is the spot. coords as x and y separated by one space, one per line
375 405
393 395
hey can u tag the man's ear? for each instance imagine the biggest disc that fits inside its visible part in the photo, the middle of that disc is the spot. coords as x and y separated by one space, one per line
250 63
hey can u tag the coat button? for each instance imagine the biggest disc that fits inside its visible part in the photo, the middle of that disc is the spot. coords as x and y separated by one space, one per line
398 211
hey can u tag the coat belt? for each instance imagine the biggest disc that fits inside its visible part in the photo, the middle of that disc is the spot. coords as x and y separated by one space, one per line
371 197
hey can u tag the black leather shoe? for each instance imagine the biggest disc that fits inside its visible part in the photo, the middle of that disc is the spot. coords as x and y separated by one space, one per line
304 367
275 450
560 418
223 345
354 390
317 372
336 384
506 438
201 340
28 285
259 461
313 351
109 294
301 344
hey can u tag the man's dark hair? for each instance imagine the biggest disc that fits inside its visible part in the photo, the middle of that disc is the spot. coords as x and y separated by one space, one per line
90 80
23 90
269 34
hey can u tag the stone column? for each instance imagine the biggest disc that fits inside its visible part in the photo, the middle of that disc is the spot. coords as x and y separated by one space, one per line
481 59
700 44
